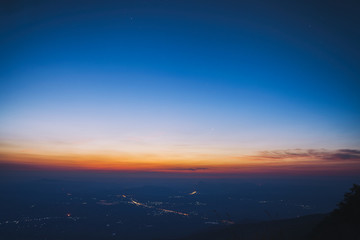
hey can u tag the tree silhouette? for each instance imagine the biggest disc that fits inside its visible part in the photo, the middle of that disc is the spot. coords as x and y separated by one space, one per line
349 209
344 221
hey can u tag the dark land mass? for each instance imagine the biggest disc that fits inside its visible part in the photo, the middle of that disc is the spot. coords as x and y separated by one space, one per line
75 207
341 223
295 228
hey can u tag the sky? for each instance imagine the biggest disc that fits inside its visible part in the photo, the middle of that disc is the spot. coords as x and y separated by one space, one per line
181 86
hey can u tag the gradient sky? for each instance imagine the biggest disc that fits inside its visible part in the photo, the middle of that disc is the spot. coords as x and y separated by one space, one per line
181 85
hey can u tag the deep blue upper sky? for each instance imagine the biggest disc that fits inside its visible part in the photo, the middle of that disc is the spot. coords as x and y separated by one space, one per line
242 74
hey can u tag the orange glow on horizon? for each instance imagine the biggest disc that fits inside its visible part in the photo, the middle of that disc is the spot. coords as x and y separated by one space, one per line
195 164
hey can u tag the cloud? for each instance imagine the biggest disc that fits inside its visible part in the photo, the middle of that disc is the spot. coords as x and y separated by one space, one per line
188 169
353 151
346 154
315 154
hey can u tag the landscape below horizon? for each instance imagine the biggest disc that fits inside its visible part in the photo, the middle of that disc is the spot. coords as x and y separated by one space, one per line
73 206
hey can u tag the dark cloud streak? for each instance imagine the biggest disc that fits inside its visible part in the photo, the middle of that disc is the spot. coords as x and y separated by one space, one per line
188 169
320 154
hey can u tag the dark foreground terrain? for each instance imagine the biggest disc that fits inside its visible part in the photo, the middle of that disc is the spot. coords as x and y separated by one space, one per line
296 229
59 207
341 223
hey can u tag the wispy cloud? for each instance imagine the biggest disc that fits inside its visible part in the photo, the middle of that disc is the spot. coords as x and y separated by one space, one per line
311 154
188 169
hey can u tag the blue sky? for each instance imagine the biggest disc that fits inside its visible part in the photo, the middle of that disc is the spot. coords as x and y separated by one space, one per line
237 77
